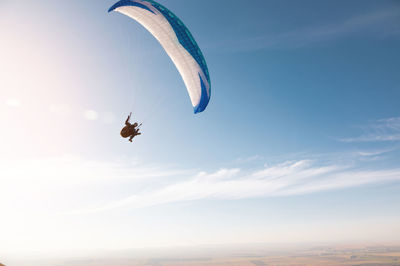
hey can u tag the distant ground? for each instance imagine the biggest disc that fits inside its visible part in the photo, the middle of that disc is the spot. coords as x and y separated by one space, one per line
235 256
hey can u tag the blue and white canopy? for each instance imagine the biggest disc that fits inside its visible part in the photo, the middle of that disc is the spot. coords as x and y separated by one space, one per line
177 41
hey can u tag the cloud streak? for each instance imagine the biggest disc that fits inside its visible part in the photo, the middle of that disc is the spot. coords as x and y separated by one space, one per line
383 130
286 179
128 184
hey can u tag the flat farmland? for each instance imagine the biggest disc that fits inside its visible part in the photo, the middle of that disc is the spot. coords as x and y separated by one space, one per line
235 256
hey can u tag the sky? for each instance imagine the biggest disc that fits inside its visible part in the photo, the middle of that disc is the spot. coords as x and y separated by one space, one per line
300 141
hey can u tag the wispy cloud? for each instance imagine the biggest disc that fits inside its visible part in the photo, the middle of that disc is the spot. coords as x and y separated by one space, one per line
130 184
286 179
254 158
372 153
380 22
381 130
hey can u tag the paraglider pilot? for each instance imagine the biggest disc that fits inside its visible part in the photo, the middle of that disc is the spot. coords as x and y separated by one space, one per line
130 130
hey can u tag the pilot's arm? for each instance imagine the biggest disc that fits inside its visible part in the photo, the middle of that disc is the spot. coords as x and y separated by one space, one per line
127 120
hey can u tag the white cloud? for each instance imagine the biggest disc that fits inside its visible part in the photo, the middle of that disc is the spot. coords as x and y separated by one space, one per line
380 131
374 152
13 102
91 115
137 185
249 159
42 197
286 179
373 138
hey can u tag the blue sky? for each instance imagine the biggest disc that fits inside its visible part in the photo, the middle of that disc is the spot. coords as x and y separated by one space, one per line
300 141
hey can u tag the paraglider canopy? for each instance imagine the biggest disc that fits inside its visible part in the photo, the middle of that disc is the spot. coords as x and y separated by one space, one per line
177 41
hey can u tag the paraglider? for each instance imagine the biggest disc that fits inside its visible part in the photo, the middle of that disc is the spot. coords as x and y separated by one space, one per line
130 130
178 43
